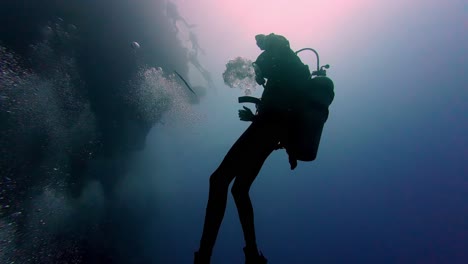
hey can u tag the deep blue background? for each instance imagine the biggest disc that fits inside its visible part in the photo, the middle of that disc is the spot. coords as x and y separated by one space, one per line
390 184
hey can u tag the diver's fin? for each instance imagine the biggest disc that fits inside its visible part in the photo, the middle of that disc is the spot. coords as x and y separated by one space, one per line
292 162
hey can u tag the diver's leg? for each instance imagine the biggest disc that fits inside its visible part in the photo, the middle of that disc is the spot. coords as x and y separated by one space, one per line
241 187
217 199
265 143
240 192
219 185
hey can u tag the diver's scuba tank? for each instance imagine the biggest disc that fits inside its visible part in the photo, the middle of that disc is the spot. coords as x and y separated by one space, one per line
307 124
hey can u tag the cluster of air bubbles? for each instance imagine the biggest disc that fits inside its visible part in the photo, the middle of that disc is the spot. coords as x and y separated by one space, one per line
155 94
240 74
47 216
41 104
11 72
44 98
59 33
57 44
7 240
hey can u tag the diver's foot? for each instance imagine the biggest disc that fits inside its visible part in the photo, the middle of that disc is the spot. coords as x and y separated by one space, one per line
201 259
253 257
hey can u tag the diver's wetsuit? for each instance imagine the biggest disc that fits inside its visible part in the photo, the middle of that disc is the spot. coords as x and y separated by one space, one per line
246 157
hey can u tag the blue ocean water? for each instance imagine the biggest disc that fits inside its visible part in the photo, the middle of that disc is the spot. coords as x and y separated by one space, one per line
106 156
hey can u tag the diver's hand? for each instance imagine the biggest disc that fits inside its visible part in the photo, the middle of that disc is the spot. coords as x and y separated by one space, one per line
246 114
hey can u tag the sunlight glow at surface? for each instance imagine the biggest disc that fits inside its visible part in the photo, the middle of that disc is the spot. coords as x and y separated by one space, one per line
298 20
226 29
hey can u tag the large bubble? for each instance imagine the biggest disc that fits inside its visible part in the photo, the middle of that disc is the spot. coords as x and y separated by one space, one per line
240 74
135 45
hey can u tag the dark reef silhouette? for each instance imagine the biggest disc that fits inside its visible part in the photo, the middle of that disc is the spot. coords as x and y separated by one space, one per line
88 129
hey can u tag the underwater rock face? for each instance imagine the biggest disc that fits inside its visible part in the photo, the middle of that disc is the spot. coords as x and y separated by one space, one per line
75 102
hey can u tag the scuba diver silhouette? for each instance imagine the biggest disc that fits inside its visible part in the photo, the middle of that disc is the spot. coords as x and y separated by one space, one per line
277 111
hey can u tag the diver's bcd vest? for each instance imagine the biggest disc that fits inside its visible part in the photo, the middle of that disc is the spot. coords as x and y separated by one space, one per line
308 117
306 121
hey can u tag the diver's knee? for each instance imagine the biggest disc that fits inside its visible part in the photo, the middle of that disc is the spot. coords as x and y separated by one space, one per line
238 191
220 178
215 178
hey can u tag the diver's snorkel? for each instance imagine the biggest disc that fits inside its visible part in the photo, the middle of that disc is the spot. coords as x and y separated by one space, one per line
320 71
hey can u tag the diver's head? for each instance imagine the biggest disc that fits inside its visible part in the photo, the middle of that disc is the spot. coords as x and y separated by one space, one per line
261 43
